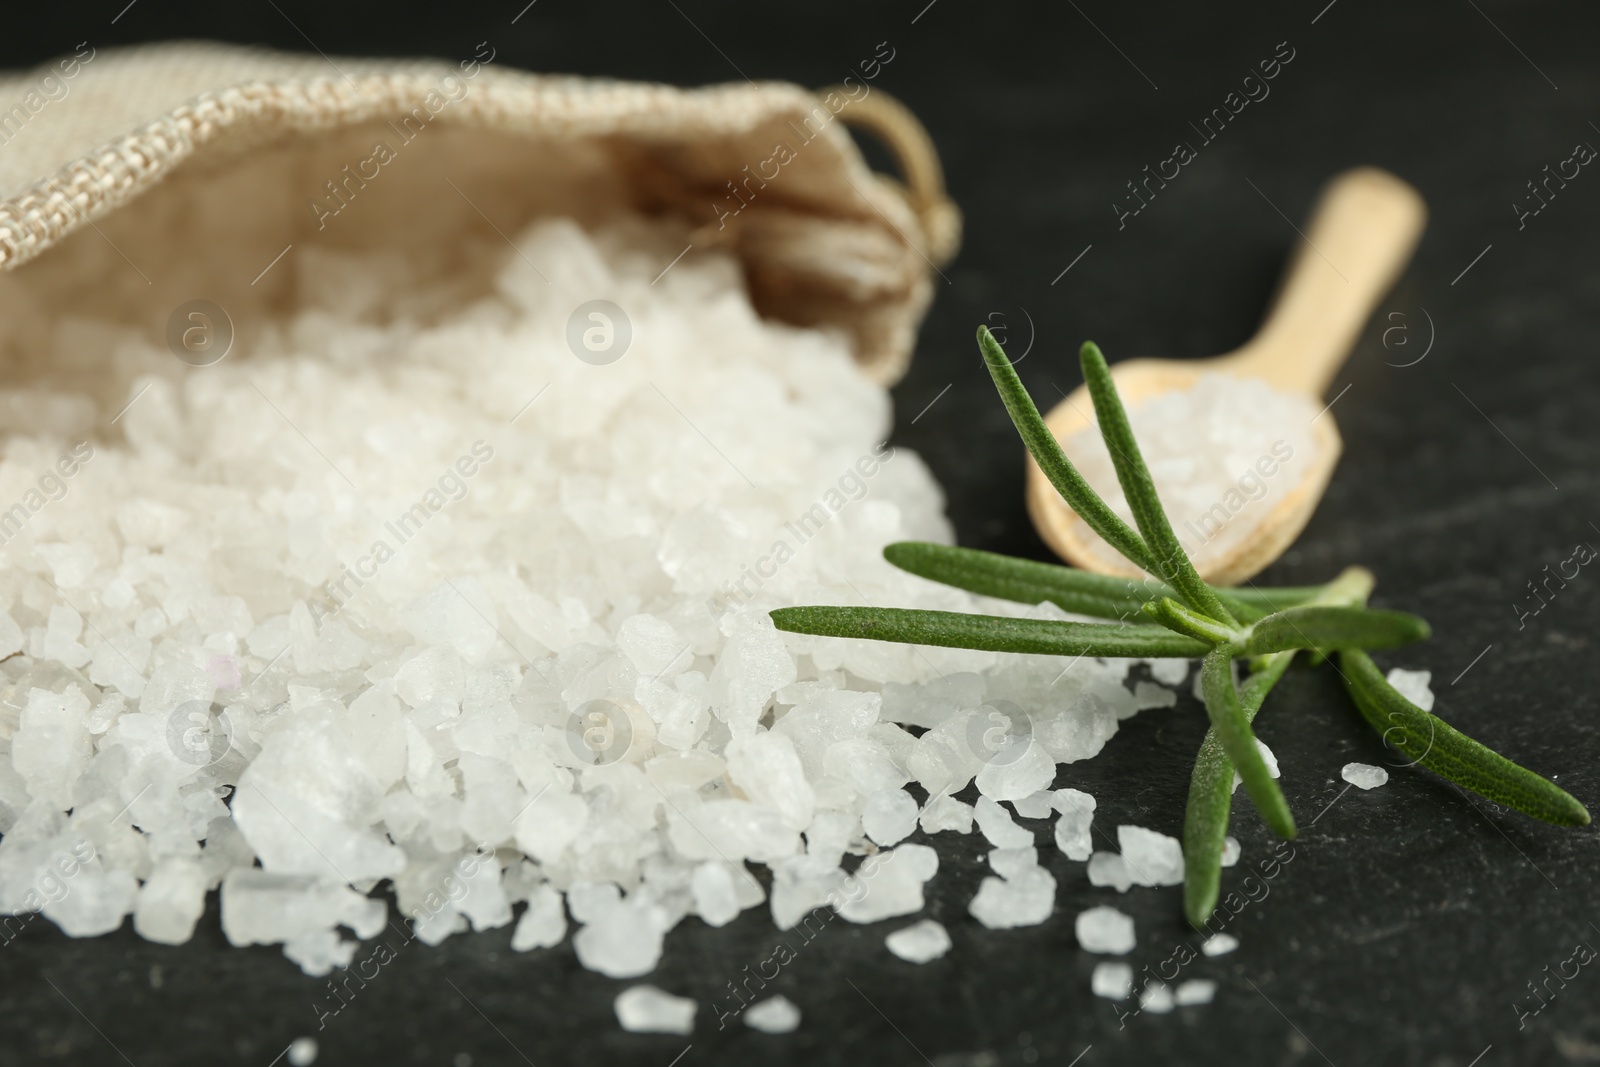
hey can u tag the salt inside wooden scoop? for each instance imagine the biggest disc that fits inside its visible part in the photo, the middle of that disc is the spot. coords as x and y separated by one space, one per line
1222 454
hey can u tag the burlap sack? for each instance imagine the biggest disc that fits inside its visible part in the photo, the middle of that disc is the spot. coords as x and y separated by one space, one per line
134 180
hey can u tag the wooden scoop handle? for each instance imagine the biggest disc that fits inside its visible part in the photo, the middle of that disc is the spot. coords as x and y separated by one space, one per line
1361 236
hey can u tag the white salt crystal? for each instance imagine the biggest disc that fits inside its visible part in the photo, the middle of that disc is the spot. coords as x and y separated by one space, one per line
644 1009
1364 775
1104 929
775 1015
1035 805
620 938
302 1052
1170 672
731 830
1230 851
1147 695
1026 899
544 923
754 664
1114 981
1156 998
890 815
767 767
1108 869
888 884
11 636
866 764
95 902
1077 815
261 908
1267 757
945 812
1219 944
1196 991
996 824
930 703
1011 863
1413 685
171 901
920 942
1013 778
832 834
716 898
52 747
318 952
653 646
802 884
1150 858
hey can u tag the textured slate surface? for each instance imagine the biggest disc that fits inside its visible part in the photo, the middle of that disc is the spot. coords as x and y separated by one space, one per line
1410 921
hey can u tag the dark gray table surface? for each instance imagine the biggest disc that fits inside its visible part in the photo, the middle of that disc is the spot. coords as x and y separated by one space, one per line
1409 924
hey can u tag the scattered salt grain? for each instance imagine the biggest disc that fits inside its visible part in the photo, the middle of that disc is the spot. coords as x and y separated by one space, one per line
1024 900
1156 997
1147 695
644 1009
997 825
1230 851
1196 991
171 901
716 897
318 952
1114 981
1010 863
775 1015
1150 858
1035 805
1072 829
920 942
1170 672
620 938
888 884
302 1052
1219 944
947 813
890 815
1104 929
1364 775
544 923
1108 869
1413 685
1267 757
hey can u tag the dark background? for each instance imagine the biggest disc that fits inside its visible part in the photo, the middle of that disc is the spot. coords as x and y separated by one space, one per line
1412 918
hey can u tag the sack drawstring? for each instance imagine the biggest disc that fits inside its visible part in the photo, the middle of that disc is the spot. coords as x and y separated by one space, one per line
923 188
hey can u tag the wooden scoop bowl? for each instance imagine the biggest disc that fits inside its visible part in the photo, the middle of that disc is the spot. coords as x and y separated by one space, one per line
1361 236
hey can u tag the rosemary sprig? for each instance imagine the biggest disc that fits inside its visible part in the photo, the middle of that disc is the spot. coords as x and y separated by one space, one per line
988 633
1266 627
1028 581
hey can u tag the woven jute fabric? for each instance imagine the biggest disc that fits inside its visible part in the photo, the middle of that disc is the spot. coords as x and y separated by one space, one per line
194 164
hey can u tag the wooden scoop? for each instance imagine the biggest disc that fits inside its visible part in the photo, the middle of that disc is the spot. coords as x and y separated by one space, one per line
1366 224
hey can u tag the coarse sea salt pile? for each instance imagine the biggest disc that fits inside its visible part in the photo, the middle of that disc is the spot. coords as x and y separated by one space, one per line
413 592
1221 453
